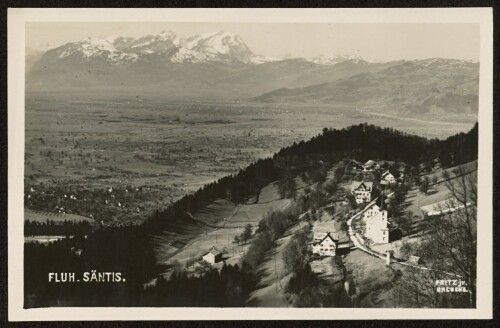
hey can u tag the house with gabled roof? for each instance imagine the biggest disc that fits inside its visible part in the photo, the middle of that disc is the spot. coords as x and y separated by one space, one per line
325 244
212 256
318 236
387 178
362 191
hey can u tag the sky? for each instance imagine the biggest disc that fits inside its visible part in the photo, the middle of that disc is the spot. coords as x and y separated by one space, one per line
373 42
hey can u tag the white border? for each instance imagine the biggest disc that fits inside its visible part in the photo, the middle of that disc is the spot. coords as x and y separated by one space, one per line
16 34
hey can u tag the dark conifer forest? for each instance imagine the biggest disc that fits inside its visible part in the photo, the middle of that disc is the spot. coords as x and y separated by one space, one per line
128 249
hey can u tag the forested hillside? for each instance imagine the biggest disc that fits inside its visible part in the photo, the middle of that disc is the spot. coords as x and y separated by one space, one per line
128 249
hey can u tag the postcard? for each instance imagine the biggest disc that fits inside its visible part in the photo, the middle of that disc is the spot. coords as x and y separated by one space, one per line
199 164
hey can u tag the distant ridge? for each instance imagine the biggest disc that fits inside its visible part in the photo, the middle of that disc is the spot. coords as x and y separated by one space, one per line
220 66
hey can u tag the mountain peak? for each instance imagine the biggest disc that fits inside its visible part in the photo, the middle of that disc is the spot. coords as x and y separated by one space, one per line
213 46
333 59
218 46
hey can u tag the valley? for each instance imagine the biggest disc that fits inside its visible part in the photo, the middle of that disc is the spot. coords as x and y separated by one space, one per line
166 149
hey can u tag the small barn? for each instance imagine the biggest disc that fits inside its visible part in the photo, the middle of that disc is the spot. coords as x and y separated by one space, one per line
212 256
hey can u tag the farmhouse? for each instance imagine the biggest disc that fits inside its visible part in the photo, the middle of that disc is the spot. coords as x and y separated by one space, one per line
212 256
387 178
325 244
362 191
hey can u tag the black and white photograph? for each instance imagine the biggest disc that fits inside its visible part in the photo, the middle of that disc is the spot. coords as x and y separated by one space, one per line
201 161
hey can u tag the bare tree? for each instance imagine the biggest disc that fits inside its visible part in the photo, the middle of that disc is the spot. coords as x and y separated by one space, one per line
455 235
417 288
449 248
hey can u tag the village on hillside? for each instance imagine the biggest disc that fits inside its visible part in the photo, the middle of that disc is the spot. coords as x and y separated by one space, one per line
373 216
353 228
311 231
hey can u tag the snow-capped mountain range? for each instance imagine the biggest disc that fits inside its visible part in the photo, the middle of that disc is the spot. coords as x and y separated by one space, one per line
219 65
207 47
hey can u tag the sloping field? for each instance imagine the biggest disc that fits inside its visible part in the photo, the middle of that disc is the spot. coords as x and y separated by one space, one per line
252 214
469 167
416 199
372 279
271 296
165 242
269 193
273 276
222 238
228 220
179 234
216 212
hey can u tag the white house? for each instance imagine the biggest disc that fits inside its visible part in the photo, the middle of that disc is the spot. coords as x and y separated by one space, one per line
387 178
370 166
362 191
325 244
212 256
376 227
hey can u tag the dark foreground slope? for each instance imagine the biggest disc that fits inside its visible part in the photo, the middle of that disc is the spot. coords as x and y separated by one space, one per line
128 250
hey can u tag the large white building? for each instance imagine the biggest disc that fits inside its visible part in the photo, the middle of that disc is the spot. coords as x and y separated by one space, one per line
375 221
362 191
376 226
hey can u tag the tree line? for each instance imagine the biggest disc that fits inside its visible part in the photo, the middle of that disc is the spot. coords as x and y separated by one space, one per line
53 228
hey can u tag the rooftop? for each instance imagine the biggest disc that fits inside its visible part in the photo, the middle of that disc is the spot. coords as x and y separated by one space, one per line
214 251
356 184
